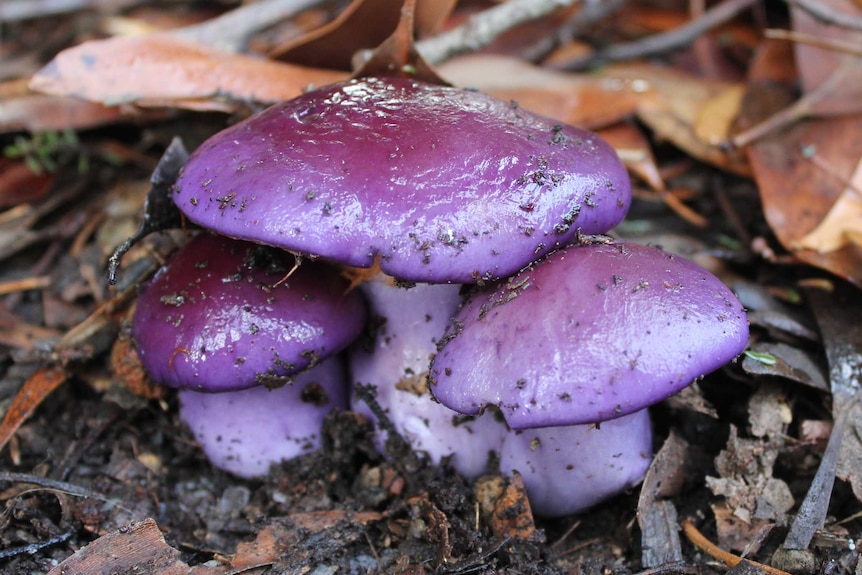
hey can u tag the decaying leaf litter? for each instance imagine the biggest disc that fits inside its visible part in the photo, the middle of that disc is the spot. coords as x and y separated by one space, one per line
94 457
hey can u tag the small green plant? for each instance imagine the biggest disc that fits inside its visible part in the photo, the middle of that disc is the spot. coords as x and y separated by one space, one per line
47 151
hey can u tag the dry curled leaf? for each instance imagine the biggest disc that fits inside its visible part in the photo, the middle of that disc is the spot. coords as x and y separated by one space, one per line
163 70
796 191
363 25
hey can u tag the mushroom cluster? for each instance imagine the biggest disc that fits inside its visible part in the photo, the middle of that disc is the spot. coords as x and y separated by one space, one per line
441 188
251 354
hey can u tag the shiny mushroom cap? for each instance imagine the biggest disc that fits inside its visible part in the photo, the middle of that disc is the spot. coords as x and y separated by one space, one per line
224 315
588 334
443 185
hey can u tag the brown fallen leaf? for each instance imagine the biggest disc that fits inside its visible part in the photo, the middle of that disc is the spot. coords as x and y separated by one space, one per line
753 497
397 55
136 548
797 194
583 100
843 224
42 112
39 386
363 25
163 70
126 366
831 79
634 150
21 185
675 107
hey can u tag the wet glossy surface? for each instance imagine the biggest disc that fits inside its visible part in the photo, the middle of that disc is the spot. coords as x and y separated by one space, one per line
246 431
215 320
444 184
588 334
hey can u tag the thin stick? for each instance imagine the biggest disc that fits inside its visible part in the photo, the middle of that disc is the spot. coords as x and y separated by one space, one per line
834 44
231 30
698 539
672 39
480 30
26 284
821 11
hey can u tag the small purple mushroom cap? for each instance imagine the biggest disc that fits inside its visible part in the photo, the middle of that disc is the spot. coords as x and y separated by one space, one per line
444 185
588 334
246 431
570 468
217 318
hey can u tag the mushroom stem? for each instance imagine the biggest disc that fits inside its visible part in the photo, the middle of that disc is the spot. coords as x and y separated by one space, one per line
412 321
568 469
245 432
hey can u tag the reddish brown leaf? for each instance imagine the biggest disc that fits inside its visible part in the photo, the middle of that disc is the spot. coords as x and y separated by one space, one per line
41 112
160 69
40 385
831 79
674 107
581 100
830 71
397 55
797 194
363 25
20 185
633 148
126 366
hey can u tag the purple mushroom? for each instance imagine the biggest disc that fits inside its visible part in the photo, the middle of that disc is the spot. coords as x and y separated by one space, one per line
246 337
569 468
588 334
246 431
437 184
222 317
412 321
440 184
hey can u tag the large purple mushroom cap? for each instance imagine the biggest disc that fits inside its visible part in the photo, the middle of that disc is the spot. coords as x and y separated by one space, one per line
443 184
246 431
569 468
588 334
222 317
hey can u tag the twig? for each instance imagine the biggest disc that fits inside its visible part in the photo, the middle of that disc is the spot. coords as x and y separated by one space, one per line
812 513
35 547
672 39
17 10
26 284
834 44
231 30
821 11
698 539
43 483
480 30
584 18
